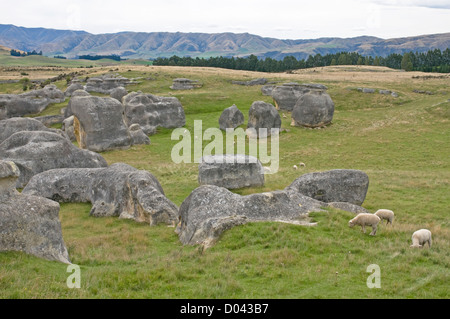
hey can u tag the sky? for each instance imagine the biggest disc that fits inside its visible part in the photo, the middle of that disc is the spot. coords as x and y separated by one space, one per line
282 19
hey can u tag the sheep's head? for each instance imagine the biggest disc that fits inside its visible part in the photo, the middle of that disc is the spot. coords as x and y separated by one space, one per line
351 223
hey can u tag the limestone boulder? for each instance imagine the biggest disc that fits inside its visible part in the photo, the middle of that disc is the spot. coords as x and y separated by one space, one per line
28 223
184 84
37 151
137 135
106 83
99 123
210 210
263 116
313 109
151 111
72 88
118 93
231 171
339 185
18 124
285 96
118 190
231 117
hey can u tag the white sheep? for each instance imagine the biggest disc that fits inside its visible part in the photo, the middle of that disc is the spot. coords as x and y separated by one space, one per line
420 238
366 219
386 214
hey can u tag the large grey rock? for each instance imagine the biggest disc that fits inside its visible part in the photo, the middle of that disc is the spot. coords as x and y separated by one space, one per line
151 111
231 171
39 151
267 89
285 96
99 123
340 185
184 84
210 210
263 115
78 93
18 124
28 223
49 120
118 93
118 190
313 109
72 88
32 102
67 127
231 117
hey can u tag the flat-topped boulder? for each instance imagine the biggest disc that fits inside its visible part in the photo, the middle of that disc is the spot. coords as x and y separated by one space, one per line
231 117
231 171
18 124
263 116
118 190
151 111
106 83
32 102
99 123
184 84
28 223
259 81
339 185
37 151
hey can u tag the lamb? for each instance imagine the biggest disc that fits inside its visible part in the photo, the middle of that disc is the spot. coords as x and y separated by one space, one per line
386 214
420 238
365 219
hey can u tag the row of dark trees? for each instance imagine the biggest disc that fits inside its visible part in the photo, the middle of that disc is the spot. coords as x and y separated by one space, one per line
431 61
21 53
114 57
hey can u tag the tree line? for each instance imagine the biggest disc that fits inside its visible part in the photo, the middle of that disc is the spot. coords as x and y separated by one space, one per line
430 61
114 57
21 53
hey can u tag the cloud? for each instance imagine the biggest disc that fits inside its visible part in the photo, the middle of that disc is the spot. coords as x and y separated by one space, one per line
433 4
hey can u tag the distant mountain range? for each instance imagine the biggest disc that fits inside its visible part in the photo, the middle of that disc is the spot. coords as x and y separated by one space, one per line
165 44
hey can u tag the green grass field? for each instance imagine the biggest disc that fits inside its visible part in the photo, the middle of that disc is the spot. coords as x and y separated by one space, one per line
401 143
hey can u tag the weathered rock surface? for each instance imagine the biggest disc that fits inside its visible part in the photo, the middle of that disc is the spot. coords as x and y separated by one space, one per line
33 102
263 115
313 109
18 124
72 88
99 123
231 117
118 93
67 127
151 111
267 89
260 81
285 96
231 171
210 210
118 190
184 84
106 83
340 185
137 135
38 151
78 93
28 223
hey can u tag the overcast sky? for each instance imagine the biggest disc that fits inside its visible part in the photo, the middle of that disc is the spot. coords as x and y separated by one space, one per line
283 19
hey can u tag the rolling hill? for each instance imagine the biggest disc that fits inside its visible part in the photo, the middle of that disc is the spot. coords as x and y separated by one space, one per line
155 44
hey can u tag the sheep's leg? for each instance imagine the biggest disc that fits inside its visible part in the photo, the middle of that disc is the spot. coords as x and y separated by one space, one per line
374 230
363 229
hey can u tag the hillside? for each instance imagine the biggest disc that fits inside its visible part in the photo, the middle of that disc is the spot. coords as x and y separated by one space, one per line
156 44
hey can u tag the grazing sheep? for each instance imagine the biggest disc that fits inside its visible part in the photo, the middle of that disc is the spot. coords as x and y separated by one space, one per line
420 238
295 167
386 214
365 219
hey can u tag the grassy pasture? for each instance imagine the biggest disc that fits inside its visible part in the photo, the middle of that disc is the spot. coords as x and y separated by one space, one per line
401 143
